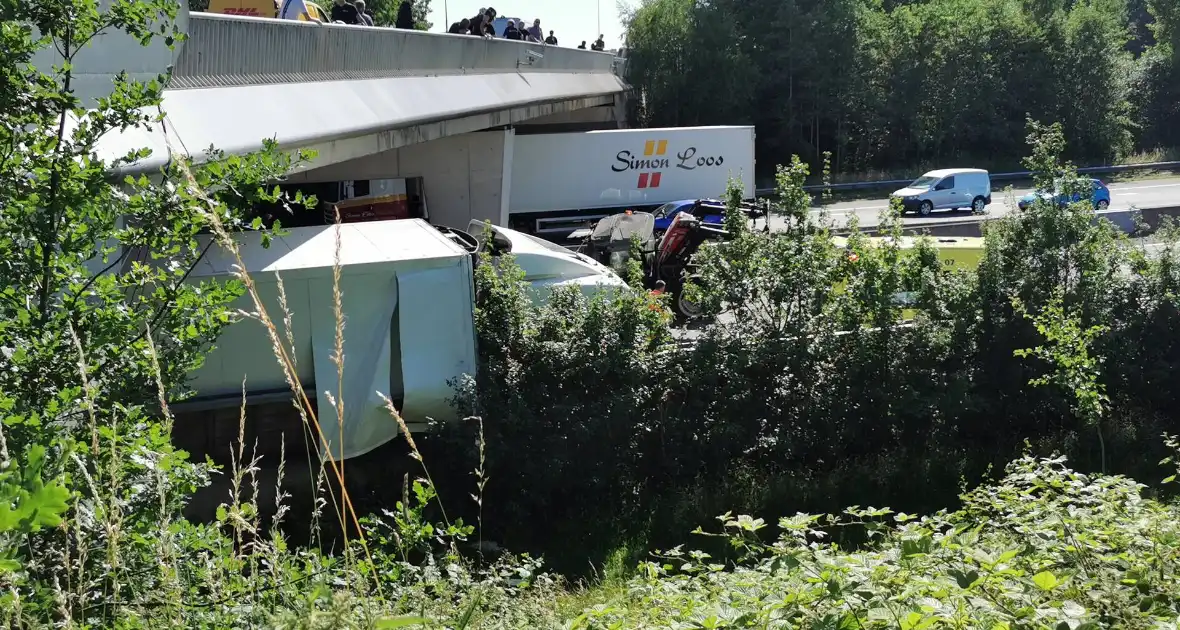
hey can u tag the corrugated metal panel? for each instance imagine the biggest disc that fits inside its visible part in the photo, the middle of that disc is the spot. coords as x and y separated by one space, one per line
296 115
227 50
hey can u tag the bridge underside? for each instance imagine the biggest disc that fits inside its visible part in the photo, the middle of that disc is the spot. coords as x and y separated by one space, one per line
347 120
463 176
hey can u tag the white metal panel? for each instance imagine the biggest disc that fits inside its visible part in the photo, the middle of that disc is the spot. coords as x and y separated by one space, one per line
237 119
367 302
311 251
610 168
244 350
437 339
485 166
432 293
506 176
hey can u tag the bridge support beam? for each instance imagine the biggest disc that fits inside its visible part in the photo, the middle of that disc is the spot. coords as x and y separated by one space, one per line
337 151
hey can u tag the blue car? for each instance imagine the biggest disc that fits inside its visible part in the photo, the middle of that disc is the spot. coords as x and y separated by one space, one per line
1099 197
665 213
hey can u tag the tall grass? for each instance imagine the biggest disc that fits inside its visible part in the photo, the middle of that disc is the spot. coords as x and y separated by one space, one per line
244 515
284 352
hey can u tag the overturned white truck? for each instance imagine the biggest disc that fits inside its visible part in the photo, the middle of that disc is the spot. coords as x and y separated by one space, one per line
407 298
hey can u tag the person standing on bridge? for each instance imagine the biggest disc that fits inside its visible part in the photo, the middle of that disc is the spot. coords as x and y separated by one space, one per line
551 40
405 16
511 31
489 23
535 32
582 46
461 27
362 13
345 12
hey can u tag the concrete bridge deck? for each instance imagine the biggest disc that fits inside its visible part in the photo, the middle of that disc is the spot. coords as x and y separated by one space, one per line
344 91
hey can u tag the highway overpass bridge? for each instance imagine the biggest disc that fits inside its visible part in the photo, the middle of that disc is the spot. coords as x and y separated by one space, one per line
374 103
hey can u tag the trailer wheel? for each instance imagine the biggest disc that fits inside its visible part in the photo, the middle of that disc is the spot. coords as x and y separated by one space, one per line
684 307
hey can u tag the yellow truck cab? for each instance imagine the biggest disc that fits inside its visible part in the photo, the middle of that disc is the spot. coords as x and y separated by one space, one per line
271 9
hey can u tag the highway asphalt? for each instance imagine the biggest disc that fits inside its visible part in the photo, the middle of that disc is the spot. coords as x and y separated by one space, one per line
1147 193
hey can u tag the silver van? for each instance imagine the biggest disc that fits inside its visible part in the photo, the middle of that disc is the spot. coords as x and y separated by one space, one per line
948 188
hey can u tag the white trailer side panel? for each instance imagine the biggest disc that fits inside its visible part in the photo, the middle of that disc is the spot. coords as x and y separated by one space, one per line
407 296
619 167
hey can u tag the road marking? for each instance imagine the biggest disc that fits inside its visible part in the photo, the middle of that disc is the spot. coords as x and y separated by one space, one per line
1144 187
849 210
1122 190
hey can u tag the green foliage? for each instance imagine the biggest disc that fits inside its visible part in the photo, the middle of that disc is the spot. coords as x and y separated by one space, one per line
672 45
1166 25
99 323
385 13
736 222
901 85
1068 351
807 390
569 372
27 504
598 431
1046 547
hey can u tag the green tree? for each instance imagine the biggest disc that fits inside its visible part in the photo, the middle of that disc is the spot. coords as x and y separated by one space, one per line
1156 84
421 12
100 321
1166 26
385 13
903 84
685 59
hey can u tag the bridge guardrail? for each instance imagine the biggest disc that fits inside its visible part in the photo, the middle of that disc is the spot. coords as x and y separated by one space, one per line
1114 168
235 50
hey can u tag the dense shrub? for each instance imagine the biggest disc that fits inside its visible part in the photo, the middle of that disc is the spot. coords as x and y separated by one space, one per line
596 427
1046 547
100 326
809 383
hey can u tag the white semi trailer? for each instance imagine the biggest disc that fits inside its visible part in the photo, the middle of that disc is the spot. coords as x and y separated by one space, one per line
563 181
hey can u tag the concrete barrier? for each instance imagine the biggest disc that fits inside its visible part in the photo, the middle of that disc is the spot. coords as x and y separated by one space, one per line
225 50
1138 221
1004 177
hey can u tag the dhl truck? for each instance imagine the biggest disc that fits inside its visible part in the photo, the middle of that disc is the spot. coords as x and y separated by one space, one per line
287 9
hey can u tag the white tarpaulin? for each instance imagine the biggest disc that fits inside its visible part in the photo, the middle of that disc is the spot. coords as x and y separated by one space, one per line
432 351
368 302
